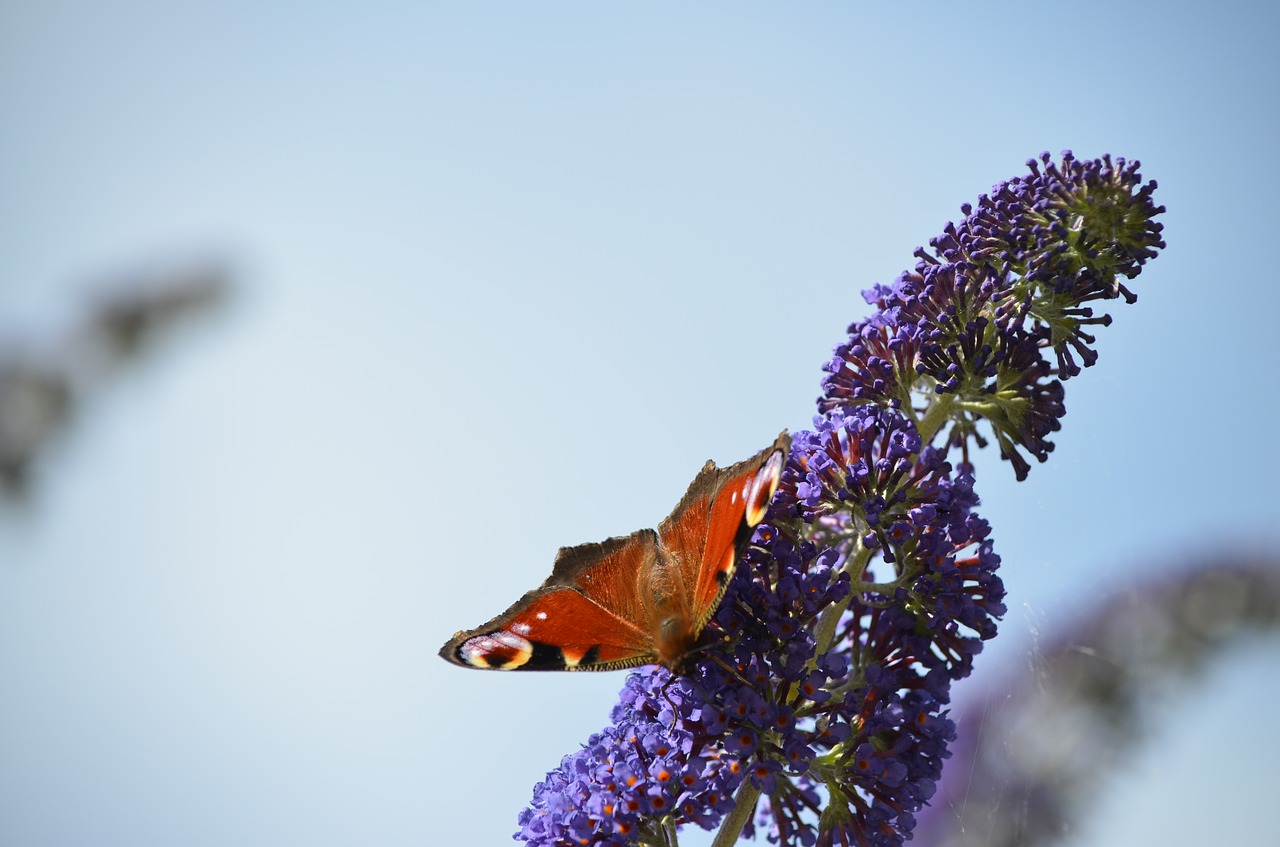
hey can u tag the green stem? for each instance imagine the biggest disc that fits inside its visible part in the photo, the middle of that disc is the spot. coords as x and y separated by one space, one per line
935 416
673 839
743 807
983 408
664 835
886 588
825 632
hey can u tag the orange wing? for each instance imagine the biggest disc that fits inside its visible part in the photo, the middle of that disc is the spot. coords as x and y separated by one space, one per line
586 616
709 529
637 599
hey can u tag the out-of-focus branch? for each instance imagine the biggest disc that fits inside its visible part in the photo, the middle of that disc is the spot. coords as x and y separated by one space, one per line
43 388
1029 759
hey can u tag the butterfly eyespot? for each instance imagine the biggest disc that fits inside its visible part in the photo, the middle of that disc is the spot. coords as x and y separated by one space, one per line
500 650
762 487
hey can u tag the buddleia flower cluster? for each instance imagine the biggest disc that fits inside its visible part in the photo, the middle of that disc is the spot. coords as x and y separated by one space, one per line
816 711
997 315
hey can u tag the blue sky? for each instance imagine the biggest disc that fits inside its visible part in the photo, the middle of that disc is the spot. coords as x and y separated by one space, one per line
508 275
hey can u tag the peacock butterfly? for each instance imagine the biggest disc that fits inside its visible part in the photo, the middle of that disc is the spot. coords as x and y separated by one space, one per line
639 599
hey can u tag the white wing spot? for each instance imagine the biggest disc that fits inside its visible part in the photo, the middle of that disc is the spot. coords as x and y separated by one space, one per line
542 616
510 639
520 628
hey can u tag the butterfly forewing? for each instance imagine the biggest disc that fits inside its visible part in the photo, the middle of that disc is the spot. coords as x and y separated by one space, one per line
586 616
608 572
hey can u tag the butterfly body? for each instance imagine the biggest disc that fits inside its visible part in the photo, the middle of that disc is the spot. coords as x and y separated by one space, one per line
638 599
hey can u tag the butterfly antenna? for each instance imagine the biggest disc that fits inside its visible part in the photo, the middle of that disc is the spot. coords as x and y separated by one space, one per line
675 713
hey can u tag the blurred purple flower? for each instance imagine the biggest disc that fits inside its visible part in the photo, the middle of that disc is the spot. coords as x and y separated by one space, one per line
1026 778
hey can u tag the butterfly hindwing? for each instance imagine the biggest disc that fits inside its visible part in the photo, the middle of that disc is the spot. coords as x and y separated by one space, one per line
586 616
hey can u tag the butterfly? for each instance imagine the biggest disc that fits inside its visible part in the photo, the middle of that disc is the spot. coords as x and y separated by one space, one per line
638 599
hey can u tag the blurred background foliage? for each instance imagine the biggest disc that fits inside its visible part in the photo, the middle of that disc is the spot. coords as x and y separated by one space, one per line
45 383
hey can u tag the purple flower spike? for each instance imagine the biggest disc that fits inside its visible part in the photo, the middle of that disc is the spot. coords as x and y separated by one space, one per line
814 709
975 318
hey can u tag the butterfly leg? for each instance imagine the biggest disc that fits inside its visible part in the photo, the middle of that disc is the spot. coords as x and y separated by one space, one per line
675 712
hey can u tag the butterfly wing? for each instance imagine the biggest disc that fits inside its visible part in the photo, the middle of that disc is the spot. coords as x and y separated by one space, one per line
637 599
586 616
708 531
